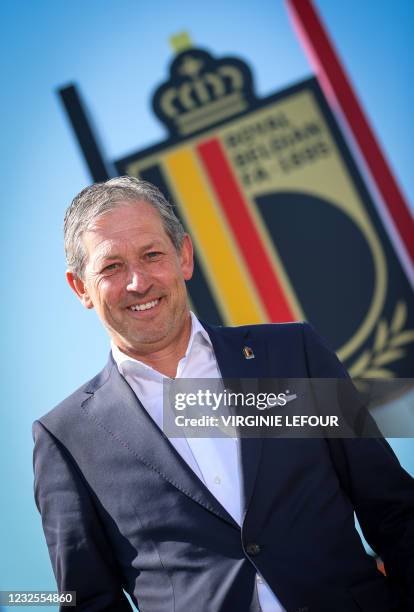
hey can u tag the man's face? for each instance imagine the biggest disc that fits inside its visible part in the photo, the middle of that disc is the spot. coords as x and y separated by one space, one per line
134 277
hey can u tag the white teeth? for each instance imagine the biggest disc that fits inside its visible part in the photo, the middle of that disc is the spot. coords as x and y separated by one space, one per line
145 306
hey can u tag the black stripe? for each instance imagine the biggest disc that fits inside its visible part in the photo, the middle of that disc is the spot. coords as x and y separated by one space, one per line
84 134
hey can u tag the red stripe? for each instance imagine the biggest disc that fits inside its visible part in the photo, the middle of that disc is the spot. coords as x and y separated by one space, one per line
245 232
338 90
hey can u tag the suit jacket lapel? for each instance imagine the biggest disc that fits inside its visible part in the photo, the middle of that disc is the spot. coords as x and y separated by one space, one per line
229 346
114 406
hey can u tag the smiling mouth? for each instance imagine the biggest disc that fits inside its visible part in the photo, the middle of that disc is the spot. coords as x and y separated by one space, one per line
146 306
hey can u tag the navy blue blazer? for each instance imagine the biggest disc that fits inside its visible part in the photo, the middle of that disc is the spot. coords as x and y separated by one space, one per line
121 510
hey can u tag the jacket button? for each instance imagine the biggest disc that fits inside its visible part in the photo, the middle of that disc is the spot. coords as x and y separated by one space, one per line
252 549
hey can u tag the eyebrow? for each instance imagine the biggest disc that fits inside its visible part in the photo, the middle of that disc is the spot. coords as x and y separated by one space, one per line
108 258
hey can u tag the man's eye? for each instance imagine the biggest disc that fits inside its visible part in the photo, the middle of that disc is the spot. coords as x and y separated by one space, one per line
111 267
154 255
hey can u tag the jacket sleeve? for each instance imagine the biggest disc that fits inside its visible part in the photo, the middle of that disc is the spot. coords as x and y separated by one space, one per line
381 491
80 553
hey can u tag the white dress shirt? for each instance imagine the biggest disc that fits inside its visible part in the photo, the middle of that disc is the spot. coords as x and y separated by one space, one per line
214 460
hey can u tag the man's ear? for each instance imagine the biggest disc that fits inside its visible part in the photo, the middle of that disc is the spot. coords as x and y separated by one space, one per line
79 288
186 257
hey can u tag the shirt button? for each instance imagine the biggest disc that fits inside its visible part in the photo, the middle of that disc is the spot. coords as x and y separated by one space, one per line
217 480
253 549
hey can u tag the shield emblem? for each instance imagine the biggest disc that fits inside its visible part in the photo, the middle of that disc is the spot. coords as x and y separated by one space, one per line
283 225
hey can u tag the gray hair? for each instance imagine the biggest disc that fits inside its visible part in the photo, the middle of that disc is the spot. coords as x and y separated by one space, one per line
100 198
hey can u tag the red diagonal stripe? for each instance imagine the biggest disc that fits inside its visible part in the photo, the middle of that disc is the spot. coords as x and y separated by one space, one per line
338 89
247 237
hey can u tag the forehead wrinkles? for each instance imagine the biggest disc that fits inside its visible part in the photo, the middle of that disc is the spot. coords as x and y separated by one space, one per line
125 230
125 217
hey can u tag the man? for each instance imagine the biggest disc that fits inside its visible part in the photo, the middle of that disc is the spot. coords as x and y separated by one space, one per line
217 525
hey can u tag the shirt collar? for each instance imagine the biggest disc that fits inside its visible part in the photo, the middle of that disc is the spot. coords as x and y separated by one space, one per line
198 336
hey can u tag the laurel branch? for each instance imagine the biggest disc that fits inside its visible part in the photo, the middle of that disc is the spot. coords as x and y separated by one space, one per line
389 345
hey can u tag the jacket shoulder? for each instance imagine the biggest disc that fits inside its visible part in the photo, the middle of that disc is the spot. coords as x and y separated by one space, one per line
290 349
291 329
67 409
288 330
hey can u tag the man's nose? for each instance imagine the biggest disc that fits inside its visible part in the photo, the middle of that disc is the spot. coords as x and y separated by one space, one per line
138 280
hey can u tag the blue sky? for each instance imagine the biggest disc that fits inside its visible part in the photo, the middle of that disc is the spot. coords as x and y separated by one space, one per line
117 52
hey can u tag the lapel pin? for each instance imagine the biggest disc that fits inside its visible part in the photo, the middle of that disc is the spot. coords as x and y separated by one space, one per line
248 353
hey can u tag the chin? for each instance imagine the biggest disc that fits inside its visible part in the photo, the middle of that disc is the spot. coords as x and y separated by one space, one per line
146 337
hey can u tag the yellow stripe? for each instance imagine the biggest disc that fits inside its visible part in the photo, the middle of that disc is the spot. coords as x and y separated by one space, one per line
226 270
